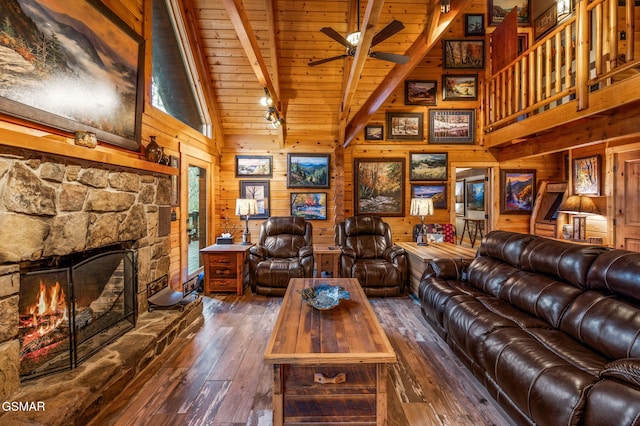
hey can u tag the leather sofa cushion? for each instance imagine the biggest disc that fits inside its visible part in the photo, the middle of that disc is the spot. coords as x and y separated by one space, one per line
505 246
549 389
612 403
616 272
627 369
605 324
562 260
367 236
376 273
489 274
276 272
541 296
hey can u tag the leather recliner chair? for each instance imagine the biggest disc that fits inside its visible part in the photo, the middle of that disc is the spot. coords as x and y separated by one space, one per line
284 251
368 254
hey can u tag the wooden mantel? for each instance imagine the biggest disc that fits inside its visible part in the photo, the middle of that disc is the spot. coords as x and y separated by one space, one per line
37 140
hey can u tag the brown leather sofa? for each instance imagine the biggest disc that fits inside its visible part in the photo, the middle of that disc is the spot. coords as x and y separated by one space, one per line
284 251
551 328
368 254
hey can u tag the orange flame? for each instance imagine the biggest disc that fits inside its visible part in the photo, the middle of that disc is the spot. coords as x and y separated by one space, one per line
48 313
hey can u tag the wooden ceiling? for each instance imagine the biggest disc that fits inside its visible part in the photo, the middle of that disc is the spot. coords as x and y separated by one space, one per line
250 45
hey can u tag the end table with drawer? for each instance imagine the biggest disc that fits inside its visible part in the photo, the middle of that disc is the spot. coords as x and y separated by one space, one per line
225 268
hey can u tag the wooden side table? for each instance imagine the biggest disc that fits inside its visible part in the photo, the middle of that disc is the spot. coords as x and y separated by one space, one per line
224 268
476 224
326 257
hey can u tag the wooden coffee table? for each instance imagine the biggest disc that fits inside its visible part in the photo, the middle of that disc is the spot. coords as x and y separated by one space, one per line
329 367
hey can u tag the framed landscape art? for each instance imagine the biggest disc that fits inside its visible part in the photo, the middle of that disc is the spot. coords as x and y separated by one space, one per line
460 87
473 24
405 126
428 166
475 195
308 170
88 78
498 9
436 191
452 126
374 132
517 191
254 166
463 54
586 175
379 186
420 92
309 205
260 191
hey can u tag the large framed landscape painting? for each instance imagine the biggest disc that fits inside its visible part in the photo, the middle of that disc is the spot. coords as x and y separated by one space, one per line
71 66
428 166
308 170
517 191
379 186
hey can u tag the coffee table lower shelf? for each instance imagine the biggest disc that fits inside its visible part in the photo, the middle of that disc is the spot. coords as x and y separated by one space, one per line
330 394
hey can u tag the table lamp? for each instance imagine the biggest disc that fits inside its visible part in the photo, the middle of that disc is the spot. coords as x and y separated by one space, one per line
421 207
246 207
580 206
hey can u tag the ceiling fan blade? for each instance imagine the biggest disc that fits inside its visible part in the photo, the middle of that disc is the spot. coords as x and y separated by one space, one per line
322 61
391 57
336 36
391 28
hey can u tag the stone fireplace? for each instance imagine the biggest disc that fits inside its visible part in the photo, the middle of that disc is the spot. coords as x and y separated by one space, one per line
56 208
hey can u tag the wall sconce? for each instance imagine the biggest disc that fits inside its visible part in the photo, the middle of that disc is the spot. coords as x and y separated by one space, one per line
246 207
445 6
580 206
421 207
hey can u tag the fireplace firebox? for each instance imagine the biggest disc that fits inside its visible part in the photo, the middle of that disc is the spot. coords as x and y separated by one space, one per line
71 307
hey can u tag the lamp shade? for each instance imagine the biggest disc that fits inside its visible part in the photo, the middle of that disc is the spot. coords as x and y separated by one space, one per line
579 204
421 207
246 206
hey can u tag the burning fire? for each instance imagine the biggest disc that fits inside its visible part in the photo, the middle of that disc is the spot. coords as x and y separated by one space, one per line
47 314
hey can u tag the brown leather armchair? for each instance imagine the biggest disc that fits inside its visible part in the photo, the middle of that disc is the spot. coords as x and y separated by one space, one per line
284 251
368 254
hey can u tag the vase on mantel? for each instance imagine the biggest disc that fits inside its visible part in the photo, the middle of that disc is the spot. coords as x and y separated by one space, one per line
154 151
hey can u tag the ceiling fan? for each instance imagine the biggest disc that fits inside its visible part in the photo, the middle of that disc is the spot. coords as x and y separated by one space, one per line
352 40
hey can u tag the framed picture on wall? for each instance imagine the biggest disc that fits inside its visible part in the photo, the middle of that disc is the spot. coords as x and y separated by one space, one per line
309 205
463 54
73 89
428 166
308 170
517 191
459 194
436 191
254 166
475 195
586 175
460 87
420 92
452 126
258 189
374 132
498 9
379 186
175 181
547 20
473 24
405 126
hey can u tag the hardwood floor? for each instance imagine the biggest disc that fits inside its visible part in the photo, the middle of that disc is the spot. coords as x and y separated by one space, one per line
217 376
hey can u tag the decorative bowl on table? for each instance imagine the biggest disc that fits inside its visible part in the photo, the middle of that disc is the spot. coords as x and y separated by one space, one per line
324 296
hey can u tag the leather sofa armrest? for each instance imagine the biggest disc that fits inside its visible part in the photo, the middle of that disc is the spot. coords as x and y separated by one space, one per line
349 252
393 252
305 251
625 370
447 269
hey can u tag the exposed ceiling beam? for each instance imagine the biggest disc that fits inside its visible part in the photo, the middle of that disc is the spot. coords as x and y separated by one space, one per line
371 16
420 47
248 40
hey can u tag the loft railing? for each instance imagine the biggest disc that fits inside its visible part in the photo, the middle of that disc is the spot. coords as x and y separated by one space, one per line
579 56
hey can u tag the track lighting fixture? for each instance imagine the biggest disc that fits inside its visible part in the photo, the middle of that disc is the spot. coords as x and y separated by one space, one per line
445 6
266 100
272 115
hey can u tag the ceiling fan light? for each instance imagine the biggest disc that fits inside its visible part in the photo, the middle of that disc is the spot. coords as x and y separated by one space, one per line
354 38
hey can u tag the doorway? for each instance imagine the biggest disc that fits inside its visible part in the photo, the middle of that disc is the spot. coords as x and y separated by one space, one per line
472 198
196 222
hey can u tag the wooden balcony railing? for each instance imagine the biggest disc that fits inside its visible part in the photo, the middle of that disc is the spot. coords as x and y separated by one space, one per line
578 57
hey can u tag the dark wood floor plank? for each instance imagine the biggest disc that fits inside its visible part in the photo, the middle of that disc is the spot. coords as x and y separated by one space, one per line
217 376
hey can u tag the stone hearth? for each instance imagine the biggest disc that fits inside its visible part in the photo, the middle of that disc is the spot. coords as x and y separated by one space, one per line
51 206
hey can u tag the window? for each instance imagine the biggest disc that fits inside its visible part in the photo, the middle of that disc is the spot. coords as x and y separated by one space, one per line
174 90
